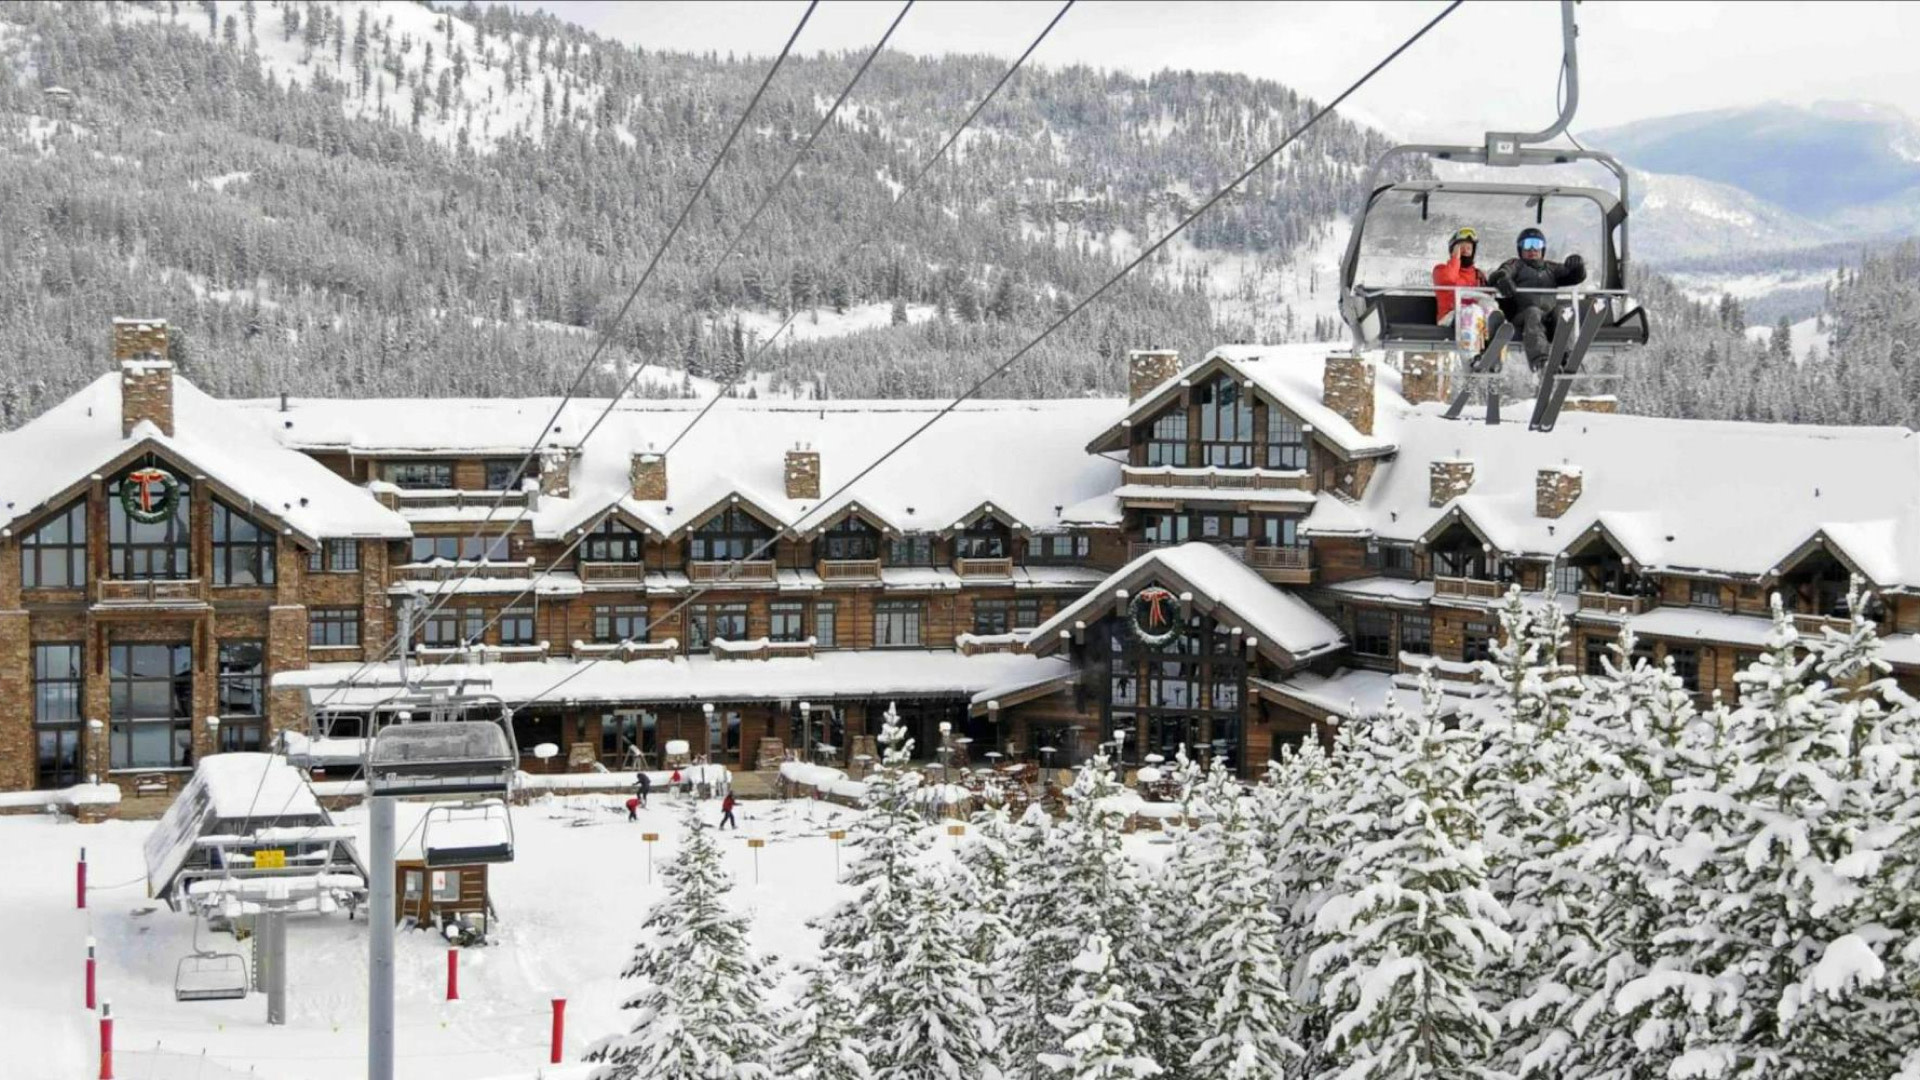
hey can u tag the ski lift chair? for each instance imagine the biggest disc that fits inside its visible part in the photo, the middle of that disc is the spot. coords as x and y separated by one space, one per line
442 757
467 833
208 974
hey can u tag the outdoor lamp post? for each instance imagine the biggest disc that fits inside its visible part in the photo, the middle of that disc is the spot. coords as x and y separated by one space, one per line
806 731
946 748
96 746
706 711
213 734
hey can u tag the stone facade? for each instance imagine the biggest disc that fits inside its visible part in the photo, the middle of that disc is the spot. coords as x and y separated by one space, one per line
1448 480
1347 389
1425 377
649 475
1600 403
1148 368
803 473
146 375
556 473
17 753
1555 490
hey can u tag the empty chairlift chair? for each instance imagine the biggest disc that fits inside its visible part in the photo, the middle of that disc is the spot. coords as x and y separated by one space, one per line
467 833
209 974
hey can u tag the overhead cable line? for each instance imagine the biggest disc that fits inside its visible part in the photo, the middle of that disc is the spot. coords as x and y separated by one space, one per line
1062 320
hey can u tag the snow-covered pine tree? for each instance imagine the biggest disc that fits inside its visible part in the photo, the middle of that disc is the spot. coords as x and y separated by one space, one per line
821 1037
1306 846
984 886
928 1022
1040 952
702 1000
1099 1034
1240 984
1166 975
1101 882
1411 926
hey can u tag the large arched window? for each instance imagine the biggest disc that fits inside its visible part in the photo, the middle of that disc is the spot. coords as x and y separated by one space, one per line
612 542
54 556
730 534
139 550
850 538
1226 423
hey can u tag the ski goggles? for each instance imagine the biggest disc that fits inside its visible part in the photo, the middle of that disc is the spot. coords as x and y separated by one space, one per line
1533 243
1466 236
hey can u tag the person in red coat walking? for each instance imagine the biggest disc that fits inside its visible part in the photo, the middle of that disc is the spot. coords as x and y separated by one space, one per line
1457 272
726 813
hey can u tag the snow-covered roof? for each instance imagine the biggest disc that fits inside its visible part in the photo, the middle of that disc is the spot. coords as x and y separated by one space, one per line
865 673
234 793
1675 495
1025 457
1222 584
81 435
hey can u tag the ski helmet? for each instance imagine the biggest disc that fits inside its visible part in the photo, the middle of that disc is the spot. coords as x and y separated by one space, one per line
1463 235
1520 245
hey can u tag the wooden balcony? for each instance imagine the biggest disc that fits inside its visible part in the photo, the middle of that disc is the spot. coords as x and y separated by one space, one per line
761 649
1614 604
1220 478
1815 626
181 592
848 569
1460 588
445 570
626 650
709 572
1281 564
983 568
480 654
449 499
612 573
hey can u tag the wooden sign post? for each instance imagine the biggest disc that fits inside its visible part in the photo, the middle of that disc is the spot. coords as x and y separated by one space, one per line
836 835
956 831
755 845
649 839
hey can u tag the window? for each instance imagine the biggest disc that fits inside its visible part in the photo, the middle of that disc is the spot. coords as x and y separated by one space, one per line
516 626
852 538
1372 632
333 627
823 624
730 534
1393 560
1162 528
150 699
1026 613
788 621
1286 441
619 622
503 474
138 550
611 541
335 557
723 735
1225 526
1477 642
911 549
243 694
1059 547
620 730
446 886
1167 438
1568 580
985 538
896 623
1599 650
467 548
58 688
54 556
709 623
441 627
1703 593
1226 423
419 475
242 549
990 617
1686 664
1280 531
1416 633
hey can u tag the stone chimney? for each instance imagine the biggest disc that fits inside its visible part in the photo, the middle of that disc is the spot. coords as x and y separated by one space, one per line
803 473
1555 490
1148 368
1448 480
556 472
1600 403
146 375
1424 377
1347 389
648 471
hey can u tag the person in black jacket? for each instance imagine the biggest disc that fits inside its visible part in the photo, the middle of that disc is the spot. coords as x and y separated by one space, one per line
1533 313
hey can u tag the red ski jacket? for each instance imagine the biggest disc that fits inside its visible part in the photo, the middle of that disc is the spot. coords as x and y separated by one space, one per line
1452 273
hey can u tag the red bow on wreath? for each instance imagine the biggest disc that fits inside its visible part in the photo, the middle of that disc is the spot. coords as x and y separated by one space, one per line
147 480
1157 606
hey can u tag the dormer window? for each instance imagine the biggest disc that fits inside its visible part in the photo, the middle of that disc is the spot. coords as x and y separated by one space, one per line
419 475
851 538
1226 423
612 542
986 538
730 534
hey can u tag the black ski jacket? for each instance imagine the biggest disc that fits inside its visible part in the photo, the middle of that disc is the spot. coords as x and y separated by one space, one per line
1517 273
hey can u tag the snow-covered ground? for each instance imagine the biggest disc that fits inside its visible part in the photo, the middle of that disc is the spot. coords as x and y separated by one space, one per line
569 906
817 323
1804 336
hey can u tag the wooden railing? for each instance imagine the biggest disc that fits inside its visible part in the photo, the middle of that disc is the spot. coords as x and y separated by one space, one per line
1281 557
1813 625
1242 479
701 571
761 649
600 573
440 498
448 570
626 650
1615 603
149 591
480 654
983 567
848 569
1468 588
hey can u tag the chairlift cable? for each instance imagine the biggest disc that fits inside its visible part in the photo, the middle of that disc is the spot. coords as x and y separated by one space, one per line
606 335
1084 302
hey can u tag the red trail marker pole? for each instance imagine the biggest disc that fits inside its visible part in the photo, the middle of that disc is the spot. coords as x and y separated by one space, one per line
559 1028
80 881
453 974
106 1040
90 974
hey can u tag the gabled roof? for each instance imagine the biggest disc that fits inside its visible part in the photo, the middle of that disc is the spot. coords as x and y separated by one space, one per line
744 500
1288 629
81 436
1288 375
985 509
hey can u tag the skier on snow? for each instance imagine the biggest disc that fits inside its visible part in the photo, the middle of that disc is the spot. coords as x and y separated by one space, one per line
726 813
1533 313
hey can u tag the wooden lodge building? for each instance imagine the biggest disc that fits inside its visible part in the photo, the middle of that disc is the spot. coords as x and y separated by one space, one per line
1236 553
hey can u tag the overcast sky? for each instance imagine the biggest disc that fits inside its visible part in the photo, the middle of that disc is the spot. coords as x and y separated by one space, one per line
1489 65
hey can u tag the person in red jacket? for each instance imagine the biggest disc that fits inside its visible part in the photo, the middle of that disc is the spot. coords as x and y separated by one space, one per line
726 812
1457 271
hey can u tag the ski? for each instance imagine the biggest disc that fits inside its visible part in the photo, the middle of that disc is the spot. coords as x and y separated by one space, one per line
1563 381
1557 351
1500 332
